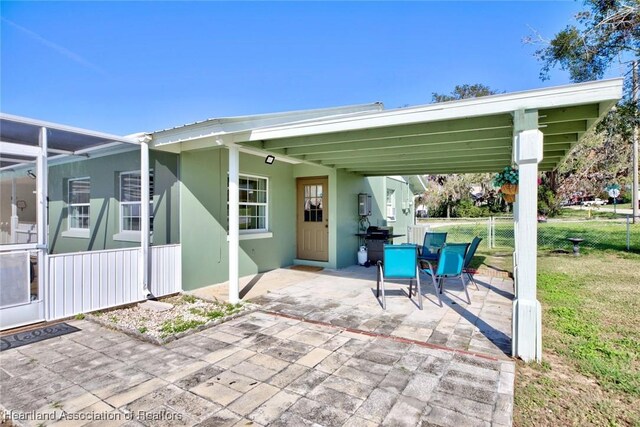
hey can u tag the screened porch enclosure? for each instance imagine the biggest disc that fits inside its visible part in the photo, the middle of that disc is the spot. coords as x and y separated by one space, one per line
58 184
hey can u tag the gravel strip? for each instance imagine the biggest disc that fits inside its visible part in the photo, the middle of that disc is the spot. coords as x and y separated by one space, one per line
189 314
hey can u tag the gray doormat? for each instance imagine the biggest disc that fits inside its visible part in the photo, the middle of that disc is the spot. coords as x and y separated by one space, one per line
24 338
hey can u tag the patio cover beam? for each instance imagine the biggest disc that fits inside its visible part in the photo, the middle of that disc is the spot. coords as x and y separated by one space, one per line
554 142
407 159
432 167
549 165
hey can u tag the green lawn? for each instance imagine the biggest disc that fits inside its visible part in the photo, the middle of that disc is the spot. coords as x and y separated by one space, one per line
590 213
591 342
590 373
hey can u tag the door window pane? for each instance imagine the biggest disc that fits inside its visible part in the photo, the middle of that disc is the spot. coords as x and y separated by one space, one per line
313 208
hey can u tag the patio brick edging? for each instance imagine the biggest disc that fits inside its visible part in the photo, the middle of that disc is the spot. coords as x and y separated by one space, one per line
386 336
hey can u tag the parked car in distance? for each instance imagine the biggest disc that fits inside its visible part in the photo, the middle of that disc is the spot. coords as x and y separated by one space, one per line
595 202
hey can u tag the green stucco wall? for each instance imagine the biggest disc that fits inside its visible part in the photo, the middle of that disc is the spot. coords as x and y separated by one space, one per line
349 185
104 208
204 215
204 218
404 207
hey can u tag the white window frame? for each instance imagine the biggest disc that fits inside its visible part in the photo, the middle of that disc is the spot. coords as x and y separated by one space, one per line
259 232
123 233
70 205
391 205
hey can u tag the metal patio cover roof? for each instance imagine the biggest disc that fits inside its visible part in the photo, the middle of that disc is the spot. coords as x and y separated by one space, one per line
467 136
61 139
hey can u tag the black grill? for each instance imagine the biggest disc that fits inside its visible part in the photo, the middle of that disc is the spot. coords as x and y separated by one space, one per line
378 233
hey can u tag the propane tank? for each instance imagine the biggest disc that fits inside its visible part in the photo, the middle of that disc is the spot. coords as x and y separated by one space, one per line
362 255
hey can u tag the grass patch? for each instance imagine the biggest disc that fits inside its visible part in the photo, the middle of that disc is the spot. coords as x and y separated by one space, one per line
80 316
143 329
209 314
585 341
591 343
178 325
189 299
585 214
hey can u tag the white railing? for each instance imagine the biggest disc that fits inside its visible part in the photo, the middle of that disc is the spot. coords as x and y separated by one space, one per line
26 232
166 270
86 281
415 233
462 230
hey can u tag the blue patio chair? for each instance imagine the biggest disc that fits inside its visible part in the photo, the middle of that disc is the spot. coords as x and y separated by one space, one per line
450 264
467 259
399 262
431 246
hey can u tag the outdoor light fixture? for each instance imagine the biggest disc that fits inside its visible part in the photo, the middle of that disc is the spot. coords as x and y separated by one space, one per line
269 159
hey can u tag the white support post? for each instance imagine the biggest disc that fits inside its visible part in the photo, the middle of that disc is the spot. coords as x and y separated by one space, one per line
234 223
527 317
14 210
144 219
42 191
516 217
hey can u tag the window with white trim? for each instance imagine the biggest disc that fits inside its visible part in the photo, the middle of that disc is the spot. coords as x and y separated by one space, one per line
130 201
79 199
391 205
254 203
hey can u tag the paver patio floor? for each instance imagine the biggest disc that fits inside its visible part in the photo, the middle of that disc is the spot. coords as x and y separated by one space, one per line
322 352
258 369
346 298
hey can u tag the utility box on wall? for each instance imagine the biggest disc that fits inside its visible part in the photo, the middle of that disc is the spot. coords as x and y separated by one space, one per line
364 204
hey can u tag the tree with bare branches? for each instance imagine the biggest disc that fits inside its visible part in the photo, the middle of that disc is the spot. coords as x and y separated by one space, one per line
606 34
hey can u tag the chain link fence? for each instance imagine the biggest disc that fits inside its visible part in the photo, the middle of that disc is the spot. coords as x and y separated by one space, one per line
498 233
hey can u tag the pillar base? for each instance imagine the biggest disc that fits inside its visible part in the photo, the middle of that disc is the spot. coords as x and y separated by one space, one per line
527 330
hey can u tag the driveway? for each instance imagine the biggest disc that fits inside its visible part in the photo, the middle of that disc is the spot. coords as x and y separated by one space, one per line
258 369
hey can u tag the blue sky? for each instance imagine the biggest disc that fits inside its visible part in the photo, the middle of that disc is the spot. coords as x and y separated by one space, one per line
141 66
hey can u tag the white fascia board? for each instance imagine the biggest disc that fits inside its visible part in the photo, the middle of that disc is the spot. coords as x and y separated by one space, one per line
65 128
561 96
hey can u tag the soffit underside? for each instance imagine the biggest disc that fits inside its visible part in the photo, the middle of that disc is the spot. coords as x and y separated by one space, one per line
464 145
